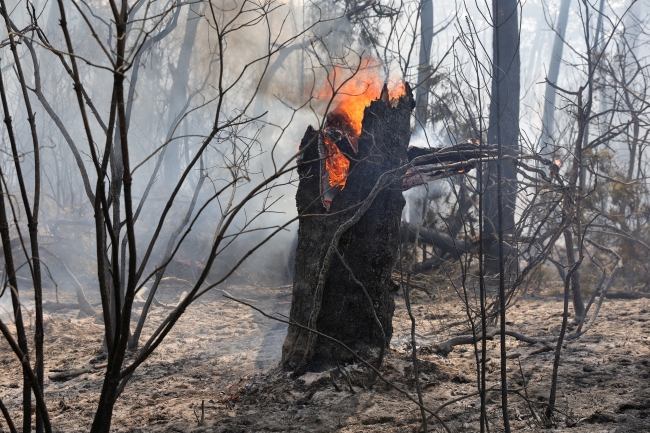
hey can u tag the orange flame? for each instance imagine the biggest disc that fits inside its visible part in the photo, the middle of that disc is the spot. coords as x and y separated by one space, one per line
351 91
336 164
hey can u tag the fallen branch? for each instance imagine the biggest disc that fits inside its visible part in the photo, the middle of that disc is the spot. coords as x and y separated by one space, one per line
171 280
53 306
433 263
68 374
431 236
446 347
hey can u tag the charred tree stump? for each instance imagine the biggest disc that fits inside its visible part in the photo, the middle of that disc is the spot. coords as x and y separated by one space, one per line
369 247
350 203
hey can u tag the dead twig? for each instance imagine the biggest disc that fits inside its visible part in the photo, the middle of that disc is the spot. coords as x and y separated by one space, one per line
336 387
530 406
347 378
200 421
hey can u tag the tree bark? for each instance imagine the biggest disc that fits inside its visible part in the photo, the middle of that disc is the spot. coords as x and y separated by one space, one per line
369 247
178 93
503 130
576 291
426 40
500 200
548 118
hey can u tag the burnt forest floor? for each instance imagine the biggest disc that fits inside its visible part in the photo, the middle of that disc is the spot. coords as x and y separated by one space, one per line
225 354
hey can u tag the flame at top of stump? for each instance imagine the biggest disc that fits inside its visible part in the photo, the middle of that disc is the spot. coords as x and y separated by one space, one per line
351 94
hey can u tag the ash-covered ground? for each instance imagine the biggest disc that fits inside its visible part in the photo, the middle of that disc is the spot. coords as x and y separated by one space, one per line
225 355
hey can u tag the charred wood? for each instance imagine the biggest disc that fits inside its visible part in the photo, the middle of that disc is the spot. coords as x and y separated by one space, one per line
429 264
446 347
369 247
429 164
446 243
457 153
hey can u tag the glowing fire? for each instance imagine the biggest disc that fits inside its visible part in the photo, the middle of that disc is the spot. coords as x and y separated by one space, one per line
350 92
336 164
354 90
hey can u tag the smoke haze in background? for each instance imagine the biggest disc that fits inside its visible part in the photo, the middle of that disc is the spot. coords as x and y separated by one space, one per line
275 93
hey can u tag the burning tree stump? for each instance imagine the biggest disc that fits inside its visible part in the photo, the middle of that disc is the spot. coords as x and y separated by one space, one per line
369 247
350 204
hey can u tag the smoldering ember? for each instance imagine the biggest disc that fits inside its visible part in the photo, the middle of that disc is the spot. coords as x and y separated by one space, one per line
361 216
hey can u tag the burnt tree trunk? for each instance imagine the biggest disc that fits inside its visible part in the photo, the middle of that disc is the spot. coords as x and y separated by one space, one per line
369 247
503 130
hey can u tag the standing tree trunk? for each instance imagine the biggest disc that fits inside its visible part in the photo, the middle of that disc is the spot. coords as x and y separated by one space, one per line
426 40
500 200
178 93
548 117
503 130
337 306
31 213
